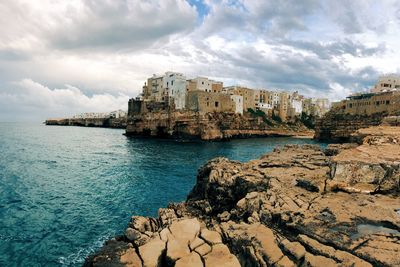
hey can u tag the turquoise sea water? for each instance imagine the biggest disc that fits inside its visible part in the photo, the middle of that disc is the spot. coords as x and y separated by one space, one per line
64 190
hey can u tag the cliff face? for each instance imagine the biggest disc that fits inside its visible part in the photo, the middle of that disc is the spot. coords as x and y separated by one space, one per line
339 127
296 206
94 122
209 126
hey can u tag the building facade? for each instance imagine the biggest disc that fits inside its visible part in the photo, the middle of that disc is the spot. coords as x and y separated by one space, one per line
237 102
370 103
387 83
203 102
174 85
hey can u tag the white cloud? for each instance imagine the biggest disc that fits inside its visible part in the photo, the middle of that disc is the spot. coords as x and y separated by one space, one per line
33 97
107 48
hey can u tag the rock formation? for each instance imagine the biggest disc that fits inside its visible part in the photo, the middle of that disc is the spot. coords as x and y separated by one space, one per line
89 122
296 206
208 126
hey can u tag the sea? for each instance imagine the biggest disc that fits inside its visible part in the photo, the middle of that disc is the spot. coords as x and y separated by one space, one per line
65 190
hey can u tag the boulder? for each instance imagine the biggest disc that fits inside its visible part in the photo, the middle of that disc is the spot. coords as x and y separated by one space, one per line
220 256
192 260
152 252
185 230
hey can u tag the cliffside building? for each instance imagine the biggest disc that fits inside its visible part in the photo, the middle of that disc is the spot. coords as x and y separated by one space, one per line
369 103
204 84
247 94
174 84
385 83
203 102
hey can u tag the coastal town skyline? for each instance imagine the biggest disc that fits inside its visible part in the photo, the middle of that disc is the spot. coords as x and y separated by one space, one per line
60 59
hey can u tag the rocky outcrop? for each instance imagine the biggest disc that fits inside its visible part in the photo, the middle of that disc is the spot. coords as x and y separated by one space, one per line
296 206
89 122
337 126
209 126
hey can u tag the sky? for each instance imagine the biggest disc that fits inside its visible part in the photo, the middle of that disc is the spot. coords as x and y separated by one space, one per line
59 58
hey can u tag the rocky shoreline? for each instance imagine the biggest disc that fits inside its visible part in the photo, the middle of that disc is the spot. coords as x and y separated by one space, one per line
296 206
89 122
188 125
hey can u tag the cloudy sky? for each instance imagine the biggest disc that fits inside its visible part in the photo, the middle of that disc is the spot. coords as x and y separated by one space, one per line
59 58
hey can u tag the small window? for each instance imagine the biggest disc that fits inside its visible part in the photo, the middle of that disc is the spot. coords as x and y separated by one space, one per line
202 82
216 104
387 102
208 104
172 83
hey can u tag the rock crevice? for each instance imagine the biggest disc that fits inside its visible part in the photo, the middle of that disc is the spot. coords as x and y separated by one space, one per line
296 206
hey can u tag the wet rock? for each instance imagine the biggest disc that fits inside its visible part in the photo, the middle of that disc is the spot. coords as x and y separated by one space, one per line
114 253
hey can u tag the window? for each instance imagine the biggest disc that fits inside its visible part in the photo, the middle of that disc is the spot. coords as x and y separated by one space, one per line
167 84
172 83
202 82
208 104
216 104
387 102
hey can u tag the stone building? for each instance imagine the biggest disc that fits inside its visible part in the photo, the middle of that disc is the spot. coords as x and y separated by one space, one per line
154 90
174 84
237 102
387 83
204 84
316 106
201 101
370 103
283 105
247 94
295 105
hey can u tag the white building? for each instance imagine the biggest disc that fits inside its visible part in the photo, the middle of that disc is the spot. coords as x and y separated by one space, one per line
118 114
264 106
275 99
238 103
385 83
92 115
205 84
175 86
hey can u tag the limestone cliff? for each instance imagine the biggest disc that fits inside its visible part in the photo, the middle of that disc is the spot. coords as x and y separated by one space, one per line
296 206
208 126
89 122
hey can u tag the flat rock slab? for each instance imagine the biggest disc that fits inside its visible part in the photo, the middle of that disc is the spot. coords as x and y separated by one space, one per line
185 230
221 256
151 252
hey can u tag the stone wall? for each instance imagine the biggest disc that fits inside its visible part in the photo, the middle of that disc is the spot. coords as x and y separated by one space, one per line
208 102
339 127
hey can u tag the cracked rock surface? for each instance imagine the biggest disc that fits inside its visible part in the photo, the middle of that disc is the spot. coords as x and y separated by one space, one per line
296 206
